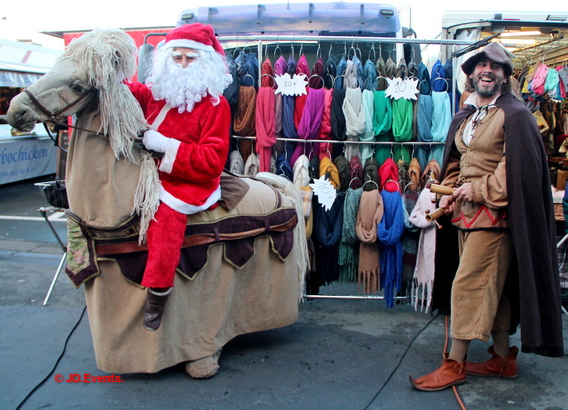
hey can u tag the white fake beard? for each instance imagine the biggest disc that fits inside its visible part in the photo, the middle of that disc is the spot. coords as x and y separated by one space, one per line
180 87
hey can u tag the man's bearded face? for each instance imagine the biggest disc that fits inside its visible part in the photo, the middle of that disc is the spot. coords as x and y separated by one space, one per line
180 81
487 78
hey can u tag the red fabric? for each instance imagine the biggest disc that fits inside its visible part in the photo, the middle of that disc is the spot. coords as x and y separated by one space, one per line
301 68
201 33
389 173
265 126
325 148
267 74
201 156
165 237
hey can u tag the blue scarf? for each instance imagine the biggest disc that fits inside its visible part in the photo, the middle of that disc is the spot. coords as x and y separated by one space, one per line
390 232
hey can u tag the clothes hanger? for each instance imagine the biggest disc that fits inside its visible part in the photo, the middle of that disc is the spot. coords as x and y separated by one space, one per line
277 48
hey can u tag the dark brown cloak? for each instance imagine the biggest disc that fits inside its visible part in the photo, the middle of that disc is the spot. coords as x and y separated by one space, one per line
533 284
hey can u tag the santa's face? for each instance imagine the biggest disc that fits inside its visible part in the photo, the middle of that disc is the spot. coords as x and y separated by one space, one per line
487 78
184 56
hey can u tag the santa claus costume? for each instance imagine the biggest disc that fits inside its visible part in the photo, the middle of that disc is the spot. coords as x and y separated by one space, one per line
189 123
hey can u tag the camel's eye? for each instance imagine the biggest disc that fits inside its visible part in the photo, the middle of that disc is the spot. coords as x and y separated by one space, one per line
79 89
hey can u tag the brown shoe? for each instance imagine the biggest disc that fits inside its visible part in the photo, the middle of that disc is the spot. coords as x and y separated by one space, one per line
450 373
496 366
155 305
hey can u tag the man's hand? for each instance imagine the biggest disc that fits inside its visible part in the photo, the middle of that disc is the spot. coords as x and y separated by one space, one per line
154 141
464 193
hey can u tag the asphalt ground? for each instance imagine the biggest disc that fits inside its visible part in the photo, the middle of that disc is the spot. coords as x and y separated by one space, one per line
340 354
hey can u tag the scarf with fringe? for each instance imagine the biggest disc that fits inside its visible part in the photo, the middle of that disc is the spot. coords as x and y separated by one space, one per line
390 231
348 246
423 280
369 216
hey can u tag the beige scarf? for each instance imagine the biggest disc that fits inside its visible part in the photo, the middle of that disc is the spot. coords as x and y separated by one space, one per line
368 217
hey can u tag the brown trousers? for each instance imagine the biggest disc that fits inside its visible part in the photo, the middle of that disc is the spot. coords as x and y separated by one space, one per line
478 307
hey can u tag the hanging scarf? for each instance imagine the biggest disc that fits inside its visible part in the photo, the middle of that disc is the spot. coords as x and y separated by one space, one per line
325 128
231 93
356 167
353 73
425 258
310 123
382 124
402 124
438 78
330 72
339 76
307 194
265 126
337 117
369 216
316 77
441 119
288 102
328 168
353 112
252 165
302 68
267 74
301 171
236 163
348 246
371 174
366 150
390 231
414 173
283 167
402 114
389 176
423 79
244 119
431 172
327 228
343 170
354 119
424 127
369 76
390 68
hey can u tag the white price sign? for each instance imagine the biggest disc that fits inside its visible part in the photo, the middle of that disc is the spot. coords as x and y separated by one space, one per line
325 191
295 85
399 88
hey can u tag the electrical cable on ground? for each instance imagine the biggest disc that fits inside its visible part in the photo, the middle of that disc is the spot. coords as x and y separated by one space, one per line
399 362
56 362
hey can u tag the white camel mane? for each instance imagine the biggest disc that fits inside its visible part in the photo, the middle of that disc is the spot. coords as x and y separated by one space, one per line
109 57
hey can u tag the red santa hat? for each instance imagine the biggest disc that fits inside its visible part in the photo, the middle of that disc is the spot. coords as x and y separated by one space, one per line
198 36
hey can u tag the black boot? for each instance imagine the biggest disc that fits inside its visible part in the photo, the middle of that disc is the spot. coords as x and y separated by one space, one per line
155 305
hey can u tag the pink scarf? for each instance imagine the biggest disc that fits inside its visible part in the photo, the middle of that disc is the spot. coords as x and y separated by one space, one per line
265 126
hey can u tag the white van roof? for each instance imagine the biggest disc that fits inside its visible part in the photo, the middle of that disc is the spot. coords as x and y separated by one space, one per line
337 18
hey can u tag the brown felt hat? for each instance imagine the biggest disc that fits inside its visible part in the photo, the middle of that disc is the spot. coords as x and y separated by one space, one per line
494 52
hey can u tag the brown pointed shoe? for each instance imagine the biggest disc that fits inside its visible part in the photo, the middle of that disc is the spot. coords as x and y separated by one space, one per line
496 366
450 373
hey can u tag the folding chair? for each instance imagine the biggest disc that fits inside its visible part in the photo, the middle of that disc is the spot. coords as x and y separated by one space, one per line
56 196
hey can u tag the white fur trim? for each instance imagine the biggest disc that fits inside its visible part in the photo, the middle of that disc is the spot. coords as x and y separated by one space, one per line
170 155
185 208
189 44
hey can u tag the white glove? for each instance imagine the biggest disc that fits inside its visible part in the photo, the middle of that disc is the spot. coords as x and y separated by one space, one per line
155 141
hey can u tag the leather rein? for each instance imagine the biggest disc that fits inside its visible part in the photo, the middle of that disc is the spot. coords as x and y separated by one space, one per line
52 116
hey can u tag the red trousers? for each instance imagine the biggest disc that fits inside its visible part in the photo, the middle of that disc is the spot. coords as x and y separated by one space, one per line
165 237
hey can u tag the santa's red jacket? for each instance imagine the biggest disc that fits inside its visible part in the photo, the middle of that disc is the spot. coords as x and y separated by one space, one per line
195 157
